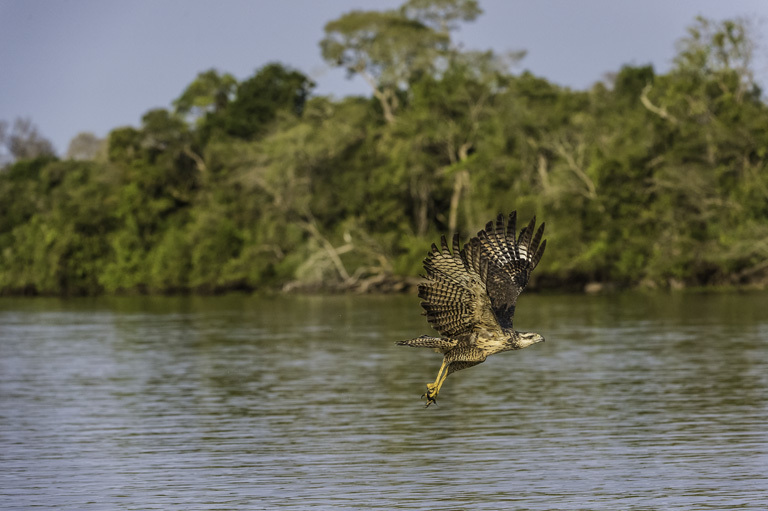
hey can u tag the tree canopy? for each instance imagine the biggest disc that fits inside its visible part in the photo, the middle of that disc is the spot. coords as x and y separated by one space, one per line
645 179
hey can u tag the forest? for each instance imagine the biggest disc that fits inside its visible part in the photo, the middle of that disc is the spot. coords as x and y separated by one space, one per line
645 180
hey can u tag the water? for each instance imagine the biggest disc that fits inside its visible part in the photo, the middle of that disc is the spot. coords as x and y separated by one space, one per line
634 402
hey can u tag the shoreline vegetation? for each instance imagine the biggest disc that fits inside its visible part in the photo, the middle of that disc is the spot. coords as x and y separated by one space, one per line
645 180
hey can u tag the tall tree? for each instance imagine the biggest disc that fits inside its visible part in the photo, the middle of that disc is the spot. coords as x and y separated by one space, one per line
441 15
259 99
209 93
24 141
722 50
85 146
388 50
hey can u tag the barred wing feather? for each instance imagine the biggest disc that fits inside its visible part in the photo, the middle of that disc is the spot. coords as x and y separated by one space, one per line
476 287
511 262
454 297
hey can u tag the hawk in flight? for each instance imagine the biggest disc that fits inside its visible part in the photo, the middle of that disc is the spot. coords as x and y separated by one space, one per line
470 293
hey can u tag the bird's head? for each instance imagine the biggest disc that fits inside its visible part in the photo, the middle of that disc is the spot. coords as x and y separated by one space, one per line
525 339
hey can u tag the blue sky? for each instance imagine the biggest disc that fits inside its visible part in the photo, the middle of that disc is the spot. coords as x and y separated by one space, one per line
94 65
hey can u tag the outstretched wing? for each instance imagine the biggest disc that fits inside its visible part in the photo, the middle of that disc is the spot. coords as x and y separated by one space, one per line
454 297
510 262
475 287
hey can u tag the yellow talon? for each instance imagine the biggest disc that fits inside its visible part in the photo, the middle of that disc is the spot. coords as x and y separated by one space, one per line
430 394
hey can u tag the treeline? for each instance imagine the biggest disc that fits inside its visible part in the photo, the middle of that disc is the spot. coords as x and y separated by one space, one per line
646 179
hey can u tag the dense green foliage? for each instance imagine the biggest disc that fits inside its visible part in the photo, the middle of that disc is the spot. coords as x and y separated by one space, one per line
651 180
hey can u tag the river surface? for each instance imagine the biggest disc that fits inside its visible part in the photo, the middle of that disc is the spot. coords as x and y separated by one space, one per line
634 401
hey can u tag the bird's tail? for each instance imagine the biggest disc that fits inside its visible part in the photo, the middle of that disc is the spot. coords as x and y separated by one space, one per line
426 341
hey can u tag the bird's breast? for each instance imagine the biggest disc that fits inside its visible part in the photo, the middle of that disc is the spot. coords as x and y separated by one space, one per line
490 344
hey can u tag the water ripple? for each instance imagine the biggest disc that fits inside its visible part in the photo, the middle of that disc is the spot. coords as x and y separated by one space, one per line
233 402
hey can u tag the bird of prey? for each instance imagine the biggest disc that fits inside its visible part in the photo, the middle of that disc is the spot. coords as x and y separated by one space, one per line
469 295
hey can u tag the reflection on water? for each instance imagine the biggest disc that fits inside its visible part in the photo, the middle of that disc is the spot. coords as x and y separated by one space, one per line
634 401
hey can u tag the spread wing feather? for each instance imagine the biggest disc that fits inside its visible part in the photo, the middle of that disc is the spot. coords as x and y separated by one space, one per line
454 297
512 262
476 287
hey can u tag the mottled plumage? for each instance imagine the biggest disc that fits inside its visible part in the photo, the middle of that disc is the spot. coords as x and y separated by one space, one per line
469 295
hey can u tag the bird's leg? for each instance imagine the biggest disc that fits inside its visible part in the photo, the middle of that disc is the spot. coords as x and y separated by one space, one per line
440 383
434 388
